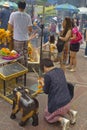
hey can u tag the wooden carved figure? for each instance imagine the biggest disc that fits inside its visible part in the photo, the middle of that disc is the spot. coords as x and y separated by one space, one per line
25 103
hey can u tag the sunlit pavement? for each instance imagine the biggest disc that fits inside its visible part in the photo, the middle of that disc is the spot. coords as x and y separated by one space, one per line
79 103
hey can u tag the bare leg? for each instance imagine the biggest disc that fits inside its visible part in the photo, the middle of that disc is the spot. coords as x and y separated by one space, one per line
71 58
74 59
62 65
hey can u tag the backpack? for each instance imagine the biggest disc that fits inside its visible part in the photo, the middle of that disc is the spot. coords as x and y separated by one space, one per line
78 37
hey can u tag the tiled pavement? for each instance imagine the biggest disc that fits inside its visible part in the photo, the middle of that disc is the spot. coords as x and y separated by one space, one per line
79 102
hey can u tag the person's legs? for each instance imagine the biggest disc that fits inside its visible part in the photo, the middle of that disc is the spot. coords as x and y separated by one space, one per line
62 63
22 49
65 122
58 116
71 58
65 54
74 48
73 61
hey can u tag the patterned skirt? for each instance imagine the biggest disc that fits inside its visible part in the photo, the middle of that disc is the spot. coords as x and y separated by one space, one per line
53 117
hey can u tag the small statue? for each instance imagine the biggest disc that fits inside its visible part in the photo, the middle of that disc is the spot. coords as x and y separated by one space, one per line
25 103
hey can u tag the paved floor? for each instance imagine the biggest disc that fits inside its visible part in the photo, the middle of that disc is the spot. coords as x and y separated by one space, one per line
79 102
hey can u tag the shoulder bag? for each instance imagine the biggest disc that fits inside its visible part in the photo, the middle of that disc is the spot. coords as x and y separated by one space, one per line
60 45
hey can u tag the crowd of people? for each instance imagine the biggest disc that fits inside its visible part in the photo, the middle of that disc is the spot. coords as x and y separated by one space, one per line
54 83
4 16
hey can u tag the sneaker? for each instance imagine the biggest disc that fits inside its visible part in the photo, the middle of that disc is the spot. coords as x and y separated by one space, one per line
85 56
73 117
65 124
68 67
72 70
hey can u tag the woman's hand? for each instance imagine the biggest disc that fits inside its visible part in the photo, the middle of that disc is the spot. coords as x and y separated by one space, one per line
41 81
73 37
61 38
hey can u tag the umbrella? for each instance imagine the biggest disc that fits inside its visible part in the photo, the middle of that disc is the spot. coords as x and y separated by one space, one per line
83 10
67 7
52 1
12 5
1 3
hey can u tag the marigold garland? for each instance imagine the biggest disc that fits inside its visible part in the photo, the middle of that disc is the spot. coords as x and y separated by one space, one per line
5 36
7 52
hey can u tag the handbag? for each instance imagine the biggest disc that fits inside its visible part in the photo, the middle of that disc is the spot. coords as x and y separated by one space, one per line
60 45
71 89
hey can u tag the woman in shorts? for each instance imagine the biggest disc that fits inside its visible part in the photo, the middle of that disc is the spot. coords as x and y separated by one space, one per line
74 48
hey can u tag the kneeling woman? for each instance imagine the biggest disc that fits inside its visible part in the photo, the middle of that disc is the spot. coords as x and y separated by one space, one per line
55 85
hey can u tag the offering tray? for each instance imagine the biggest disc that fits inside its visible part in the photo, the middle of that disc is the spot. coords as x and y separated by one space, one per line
11 57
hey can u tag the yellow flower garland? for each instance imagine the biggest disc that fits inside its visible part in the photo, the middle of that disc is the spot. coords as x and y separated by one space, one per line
5 36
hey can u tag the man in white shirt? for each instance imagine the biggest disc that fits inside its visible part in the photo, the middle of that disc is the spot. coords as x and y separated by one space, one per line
21 25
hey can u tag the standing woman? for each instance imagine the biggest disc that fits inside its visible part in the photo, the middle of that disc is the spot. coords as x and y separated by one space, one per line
65 36
74 48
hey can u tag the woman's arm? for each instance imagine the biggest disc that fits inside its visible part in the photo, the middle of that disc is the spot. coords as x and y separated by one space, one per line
47 82
67 36
10 27
32 36
73 37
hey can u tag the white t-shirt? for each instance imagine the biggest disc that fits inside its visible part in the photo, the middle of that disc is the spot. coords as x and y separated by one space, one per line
20 21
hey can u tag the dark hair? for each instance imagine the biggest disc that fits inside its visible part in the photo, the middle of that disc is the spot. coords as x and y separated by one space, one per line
68 25
77 22
21 5
73 25
52 39
46 62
